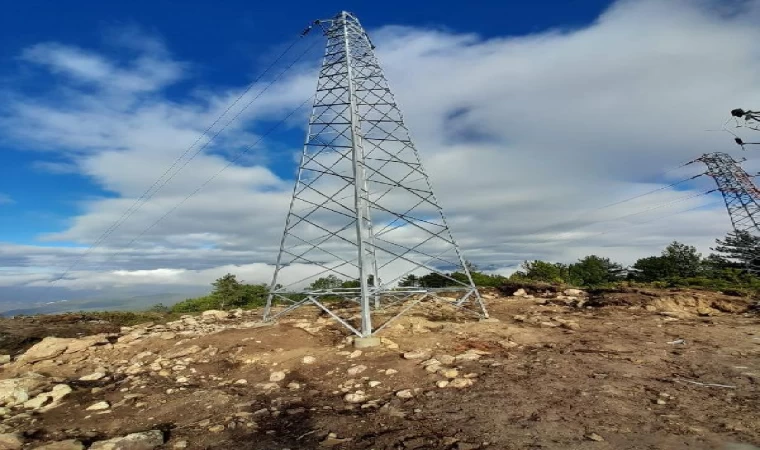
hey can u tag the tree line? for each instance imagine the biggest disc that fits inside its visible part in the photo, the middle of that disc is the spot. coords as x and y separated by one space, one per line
677 265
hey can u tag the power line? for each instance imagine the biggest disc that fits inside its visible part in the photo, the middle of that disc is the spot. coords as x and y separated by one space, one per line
211 178
159 184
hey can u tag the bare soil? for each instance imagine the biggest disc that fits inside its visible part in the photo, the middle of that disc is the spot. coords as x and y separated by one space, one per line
637 370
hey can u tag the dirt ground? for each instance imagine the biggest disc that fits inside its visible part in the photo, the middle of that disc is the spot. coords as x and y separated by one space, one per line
635 370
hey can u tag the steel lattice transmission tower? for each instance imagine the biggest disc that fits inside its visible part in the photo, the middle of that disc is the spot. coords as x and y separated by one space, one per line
741 195
363 207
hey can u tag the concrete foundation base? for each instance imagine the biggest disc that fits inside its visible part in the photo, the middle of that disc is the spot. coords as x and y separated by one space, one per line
365 342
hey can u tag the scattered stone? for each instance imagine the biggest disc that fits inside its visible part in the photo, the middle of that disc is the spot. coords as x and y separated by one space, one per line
469 356
520 293
294 411
391 371
446 359
548 325
449 373
215 314
374 384
93 376
38 401
660 401
308 360
241 381
146 440
471 375
460 383
508 344
356 397
442 383
16 390
276 376
594 437
11 441
294 385
182 380
355 354
70 444
574 292
99 406
180 444
5 359
418 354
355 370
405 393
388 343
433 368
216 429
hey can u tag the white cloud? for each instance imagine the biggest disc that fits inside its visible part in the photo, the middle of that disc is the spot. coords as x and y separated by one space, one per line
525 138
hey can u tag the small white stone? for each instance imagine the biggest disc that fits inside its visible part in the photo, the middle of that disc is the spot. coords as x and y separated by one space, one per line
357 397
241 381
374 384
98 406
442 383
391 371
93 376
308 360
405 393
355 370
355 354
182 380
277 376
449 373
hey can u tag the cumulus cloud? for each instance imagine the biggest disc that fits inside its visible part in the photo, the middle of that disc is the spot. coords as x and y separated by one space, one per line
527 140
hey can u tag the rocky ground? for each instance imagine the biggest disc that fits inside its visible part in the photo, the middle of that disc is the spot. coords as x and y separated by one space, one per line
628 370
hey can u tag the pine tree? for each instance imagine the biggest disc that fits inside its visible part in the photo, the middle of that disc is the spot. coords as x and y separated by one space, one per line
739 248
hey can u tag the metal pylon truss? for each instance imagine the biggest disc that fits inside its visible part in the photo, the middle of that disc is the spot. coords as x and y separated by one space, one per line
363 209
741 195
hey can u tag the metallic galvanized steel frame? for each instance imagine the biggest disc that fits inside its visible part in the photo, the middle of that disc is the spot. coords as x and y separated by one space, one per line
741 195
363 207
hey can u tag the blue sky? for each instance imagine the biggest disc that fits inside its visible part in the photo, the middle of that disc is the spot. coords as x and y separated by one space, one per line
226 42
568 105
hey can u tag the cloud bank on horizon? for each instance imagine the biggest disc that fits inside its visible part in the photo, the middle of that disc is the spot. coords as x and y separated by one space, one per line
525 138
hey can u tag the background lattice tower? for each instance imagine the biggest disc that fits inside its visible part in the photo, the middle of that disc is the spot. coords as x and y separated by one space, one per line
363 207
741 195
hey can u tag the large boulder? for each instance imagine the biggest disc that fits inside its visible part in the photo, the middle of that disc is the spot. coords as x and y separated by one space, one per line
11 441
215 314
16 390
52 347
147 440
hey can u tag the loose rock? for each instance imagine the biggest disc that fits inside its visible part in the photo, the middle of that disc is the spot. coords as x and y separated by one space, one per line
70 444
355 370
357 397
147 440
405 393
418 354
99 406
277 376
11 441
308 360
93 376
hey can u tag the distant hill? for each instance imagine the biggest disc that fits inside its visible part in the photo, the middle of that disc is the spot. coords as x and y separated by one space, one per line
136 303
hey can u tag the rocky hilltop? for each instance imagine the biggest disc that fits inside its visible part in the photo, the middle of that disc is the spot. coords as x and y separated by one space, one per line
639 369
